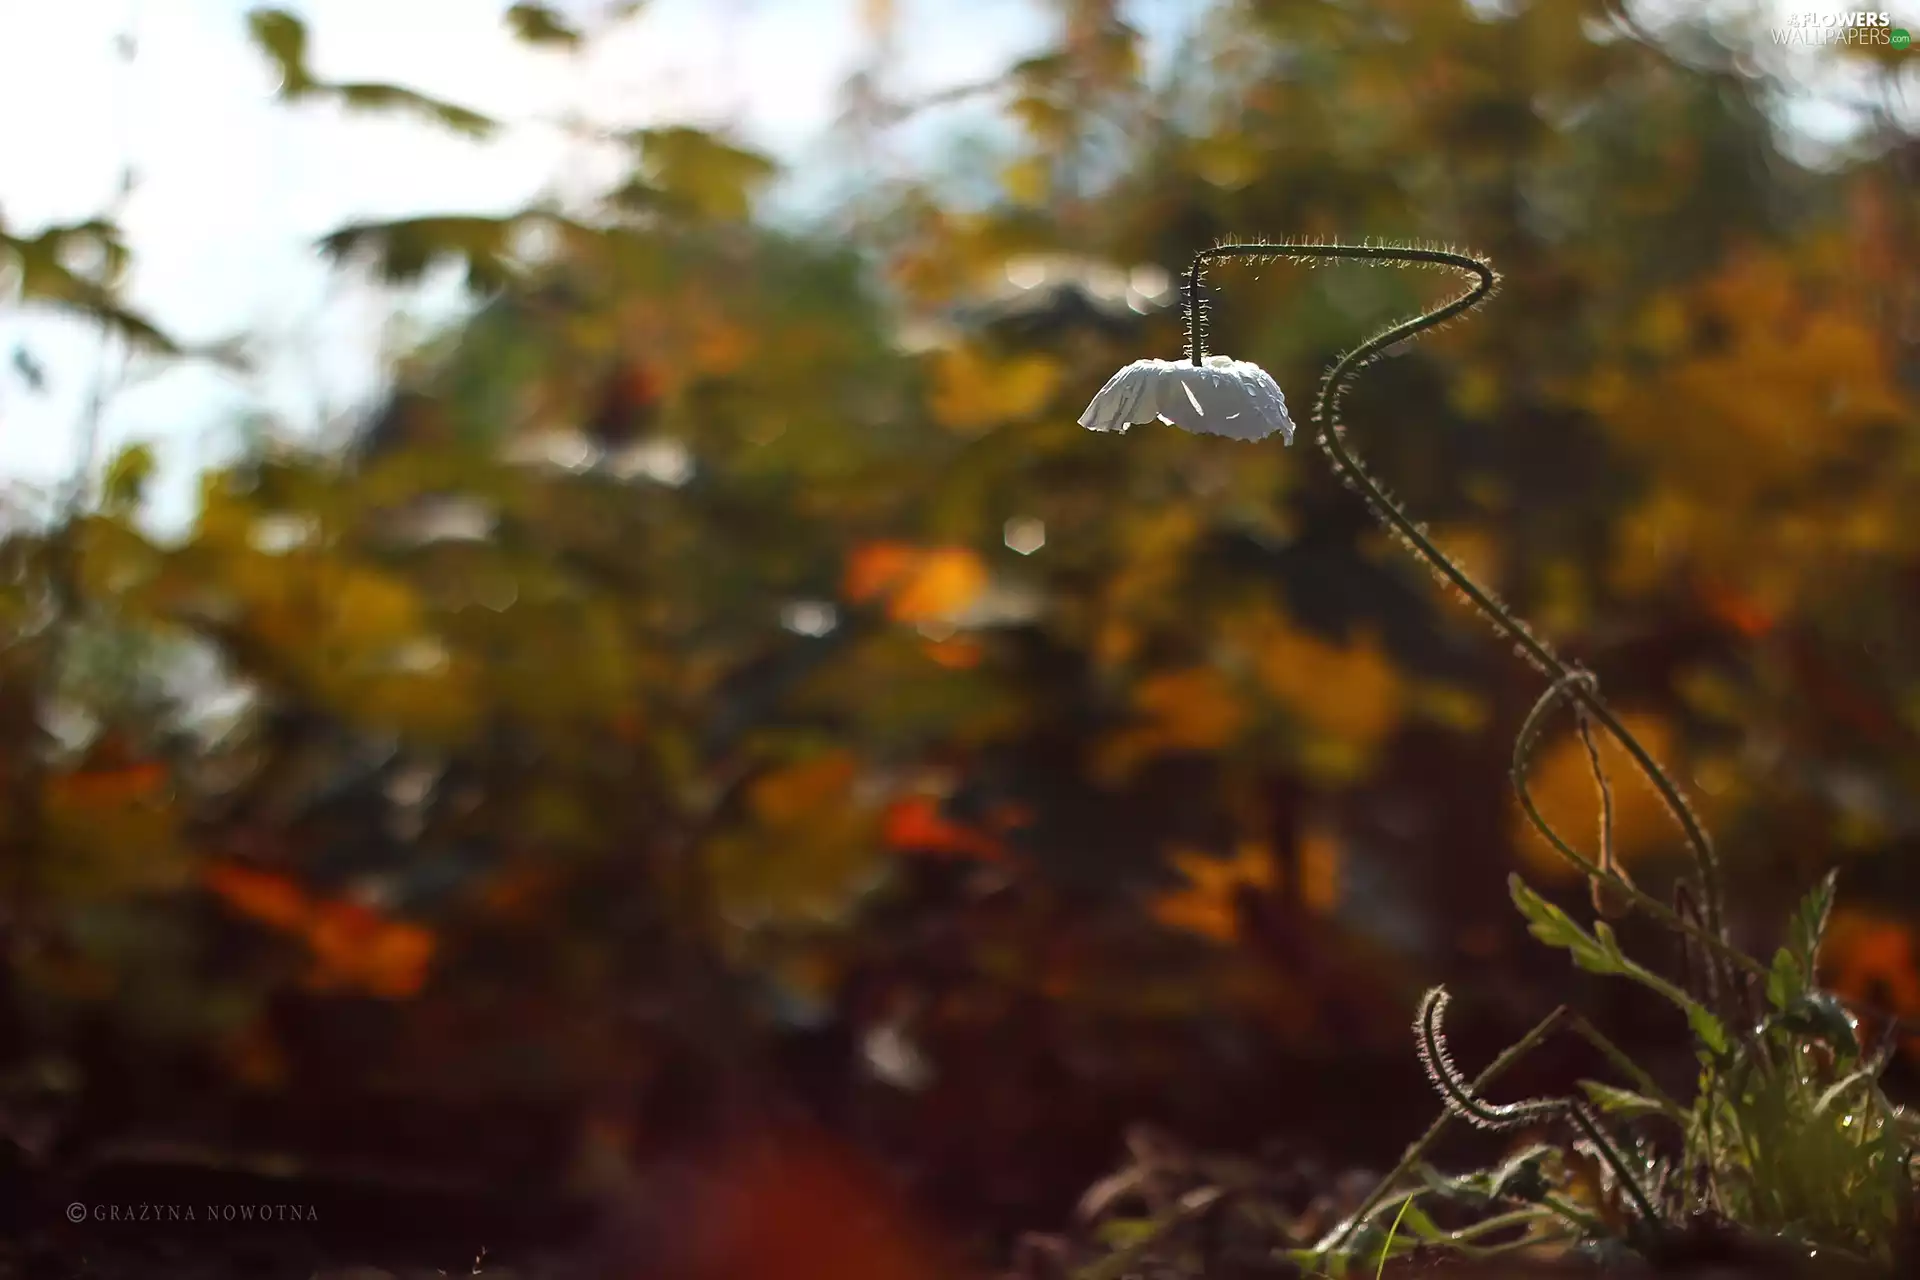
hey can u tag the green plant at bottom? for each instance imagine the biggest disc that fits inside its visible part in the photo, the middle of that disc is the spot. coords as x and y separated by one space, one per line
1789 1139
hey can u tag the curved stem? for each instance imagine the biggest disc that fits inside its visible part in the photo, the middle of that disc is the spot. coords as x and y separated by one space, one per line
1734 958
1526 1044
1326 413
1460 1098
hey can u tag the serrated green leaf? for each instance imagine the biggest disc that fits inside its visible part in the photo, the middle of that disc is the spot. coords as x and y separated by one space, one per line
1706 1028
1609 943
1600 952
1556 928
1810 924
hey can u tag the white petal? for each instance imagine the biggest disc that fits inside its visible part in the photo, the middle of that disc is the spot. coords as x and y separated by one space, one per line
1113 409
1223 397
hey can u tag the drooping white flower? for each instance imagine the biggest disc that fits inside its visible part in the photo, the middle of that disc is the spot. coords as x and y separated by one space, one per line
1221 397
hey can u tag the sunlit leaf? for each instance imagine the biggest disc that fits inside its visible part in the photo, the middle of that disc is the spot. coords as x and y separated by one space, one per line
694 171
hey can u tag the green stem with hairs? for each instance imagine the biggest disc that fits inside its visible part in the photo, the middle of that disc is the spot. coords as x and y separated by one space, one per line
1326 414
1414 1154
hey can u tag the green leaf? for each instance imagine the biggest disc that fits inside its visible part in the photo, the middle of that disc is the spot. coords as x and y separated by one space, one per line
1599 952
1706 1028
1786 980
700 174
538 24
1620 1102
1809 924
1556 928
1415 1219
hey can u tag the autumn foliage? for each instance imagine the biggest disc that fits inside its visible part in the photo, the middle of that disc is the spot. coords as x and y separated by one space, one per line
729 662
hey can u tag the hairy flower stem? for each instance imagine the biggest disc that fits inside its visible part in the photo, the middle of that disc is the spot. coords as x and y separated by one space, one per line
1417 1152
1326 414
1464 1100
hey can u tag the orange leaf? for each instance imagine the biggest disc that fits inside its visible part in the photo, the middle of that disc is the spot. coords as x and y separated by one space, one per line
356 947
914 824
353 946
1191 710
1872 958
1207 905
874 568
943 581
265 896
919 583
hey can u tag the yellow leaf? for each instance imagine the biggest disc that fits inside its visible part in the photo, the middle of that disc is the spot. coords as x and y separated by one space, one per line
1191 710
1351 693
973 393
1207 905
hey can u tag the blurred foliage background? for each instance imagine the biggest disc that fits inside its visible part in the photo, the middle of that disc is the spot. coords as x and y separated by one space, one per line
725 694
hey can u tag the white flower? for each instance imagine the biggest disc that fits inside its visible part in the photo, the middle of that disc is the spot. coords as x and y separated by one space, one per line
1223 397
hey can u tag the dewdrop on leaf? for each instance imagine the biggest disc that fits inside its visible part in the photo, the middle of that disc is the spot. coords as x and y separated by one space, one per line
1222 397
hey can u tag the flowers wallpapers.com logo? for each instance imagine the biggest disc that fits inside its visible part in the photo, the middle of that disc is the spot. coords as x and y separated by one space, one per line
1855 27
